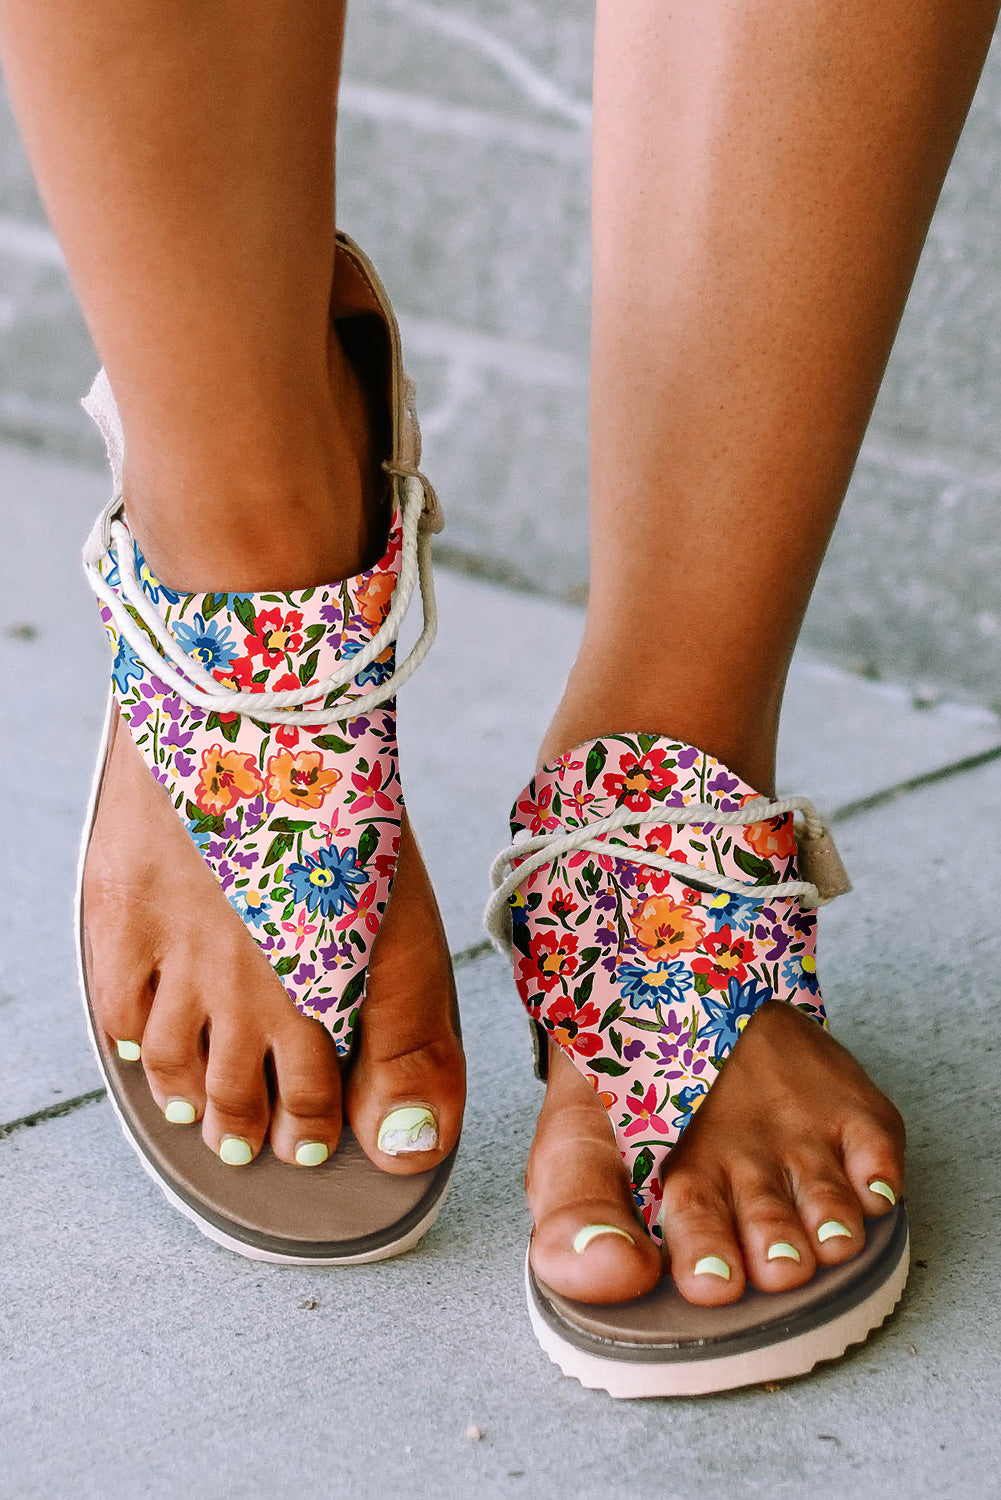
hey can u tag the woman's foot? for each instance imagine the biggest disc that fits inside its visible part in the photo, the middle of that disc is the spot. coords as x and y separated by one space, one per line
780 1158
172 970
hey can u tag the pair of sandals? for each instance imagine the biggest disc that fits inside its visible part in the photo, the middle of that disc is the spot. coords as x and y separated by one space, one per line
650 901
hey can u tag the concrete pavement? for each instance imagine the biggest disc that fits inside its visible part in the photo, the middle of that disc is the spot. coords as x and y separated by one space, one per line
137 1359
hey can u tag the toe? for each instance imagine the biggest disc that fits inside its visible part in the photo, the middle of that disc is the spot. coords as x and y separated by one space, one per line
237 1107
588 1242
174 1054
777 1251
701 1238
306 1113
828 1209
873 1153
120 981
406 1090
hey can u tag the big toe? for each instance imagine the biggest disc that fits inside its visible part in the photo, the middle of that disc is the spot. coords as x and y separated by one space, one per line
406 1090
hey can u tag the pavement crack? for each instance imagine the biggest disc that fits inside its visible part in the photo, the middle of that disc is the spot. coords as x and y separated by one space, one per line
899 789
51 1112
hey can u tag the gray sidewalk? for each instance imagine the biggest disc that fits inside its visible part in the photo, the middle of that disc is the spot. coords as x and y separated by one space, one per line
138 1359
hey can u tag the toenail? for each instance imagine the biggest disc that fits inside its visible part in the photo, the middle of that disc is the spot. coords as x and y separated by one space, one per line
180 1112
235 1151
411 1128
311 1153
782 1250
877 1185
712 1265
833 1229
590 1232
129 1051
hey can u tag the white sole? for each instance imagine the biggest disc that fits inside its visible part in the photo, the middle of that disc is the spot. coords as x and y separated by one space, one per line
211 1231
783 1360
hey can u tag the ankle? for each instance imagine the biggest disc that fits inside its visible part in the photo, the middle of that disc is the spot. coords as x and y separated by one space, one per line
281 498
738 728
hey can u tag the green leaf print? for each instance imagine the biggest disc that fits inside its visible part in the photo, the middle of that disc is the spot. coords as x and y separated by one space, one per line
331 742
642 1166
308 669
279 846
613 1013
286 965
615 1039
367 844
229 728
596 757
244 611
759 869
352 991
607 1065
212 604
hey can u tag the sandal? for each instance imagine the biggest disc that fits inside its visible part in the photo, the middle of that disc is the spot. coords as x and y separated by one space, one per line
651 902
270 722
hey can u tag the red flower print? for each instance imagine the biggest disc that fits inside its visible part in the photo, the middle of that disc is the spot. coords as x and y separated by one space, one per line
725 957
570 1025
239 675
645 1112
369 791
275 632
538 813
633 784
553 958
772 840
562 904
578 800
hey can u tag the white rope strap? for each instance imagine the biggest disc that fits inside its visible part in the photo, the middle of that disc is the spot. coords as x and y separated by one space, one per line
525 855
189 678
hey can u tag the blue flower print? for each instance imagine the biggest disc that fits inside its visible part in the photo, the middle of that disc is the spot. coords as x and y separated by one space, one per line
665 982
251 906
687 1101
377 671
726 908
729 1016
150 585
207 641
801 973
324 881
127 666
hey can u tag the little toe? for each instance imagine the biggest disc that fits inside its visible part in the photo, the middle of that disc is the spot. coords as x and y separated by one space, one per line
776 1249
701 1239
237 1108
174 1054
873 1156
829 1210
306 1113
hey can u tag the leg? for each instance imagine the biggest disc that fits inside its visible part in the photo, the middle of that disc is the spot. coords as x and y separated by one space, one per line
763 182
186 156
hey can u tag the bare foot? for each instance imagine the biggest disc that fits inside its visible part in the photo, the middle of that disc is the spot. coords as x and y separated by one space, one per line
770 1180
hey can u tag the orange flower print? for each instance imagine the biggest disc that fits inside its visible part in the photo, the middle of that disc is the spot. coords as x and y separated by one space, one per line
374 596
665 927
772 840
300 780
225 777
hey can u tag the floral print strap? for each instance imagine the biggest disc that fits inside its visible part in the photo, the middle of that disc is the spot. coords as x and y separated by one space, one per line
646 979
299 823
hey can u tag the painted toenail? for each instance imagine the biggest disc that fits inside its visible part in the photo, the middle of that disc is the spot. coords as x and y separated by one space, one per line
411 1128
782 1250
129 1051
235 1151
590 1232
180 1112
311 1153
833 1229
712 1265
877 1185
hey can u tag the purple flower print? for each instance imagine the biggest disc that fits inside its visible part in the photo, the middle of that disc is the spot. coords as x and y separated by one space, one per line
183 764
722 783
605 900
175 738
632 1050
216 849
304 973
225 875
357 727
687 757
330 955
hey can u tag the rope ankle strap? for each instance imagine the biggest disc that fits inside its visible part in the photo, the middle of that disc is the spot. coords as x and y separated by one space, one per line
189 678
528 853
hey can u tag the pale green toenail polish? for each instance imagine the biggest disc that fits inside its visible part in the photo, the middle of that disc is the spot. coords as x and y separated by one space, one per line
129 1051
712 1265
590 1232
235 1151
782 1250
180 1112
833 1229
410 1128
877 1185
311 1153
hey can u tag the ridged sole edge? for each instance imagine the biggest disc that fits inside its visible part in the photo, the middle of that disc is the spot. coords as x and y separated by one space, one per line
783 1360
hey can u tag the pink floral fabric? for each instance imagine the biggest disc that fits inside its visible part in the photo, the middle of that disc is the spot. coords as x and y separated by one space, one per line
299 825
645 981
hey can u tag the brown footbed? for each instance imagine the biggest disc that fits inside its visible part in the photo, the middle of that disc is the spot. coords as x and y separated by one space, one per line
663 1327
346 1207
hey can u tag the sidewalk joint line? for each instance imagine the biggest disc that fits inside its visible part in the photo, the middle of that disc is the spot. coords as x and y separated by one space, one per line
51 1112
913 784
